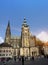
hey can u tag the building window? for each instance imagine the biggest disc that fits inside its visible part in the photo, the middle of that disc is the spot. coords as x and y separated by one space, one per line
9 50
3 54
6 50
9 54
3 50
0 51
6 54
0 54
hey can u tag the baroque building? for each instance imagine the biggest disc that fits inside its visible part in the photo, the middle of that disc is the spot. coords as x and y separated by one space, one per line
25 44
6 51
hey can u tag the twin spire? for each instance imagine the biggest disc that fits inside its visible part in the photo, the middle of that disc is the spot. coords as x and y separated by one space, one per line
24 22
8 31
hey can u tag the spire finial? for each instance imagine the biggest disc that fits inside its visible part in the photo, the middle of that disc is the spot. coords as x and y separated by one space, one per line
24 18
8 23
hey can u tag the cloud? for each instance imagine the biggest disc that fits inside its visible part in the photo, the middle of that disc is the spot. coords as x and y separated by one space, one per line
1 40
43 36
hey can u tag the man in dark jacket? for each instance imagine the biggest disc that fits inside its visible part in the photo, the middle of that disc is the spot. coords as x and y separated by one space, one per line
22 60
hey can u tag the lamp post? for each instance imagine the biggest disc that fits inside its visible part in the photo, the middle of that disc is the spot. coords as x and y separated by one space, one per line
23 57
14 52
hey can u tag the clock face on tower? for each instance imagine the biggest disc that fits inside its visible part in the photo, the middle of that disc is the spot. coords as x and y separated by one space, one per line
25 31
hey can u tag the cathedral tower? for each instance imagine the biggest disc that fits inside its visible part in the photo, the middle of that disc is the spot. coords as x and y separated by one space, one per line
8 34
25 34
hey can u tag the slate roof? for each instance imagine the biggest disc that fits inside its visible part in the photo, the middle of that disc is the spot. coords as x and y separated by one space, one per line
5 45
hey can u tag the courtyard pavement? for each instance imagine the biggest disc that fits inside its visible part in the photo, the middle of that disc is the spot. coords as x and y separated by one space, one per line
41 61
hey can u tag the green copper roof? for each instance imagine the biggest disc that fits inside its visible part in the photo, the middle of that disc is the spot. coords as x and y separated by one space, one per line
25 23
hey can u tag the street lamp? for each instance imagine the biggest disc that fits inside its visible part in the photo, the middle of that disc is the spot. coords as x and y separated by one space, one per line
14 52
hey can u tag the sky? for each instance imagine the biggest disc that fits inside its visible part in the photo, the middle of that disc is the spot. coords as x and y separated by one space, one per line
35 11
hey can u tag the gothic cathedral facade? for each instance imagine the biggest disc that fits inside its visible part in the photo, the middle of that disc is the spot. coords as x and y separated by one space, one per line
24 44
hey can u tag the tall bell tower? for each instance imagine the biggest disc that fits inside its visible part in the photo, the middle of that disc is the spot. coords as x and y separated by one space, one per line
8 34
25 34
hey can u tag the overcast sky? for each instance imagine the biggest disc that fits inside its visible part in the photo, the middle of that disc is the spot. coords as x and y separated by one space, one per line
35 11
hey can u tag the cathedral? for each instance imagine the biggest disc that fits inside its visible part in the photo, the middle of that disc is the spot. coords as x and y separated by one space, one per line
23 45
